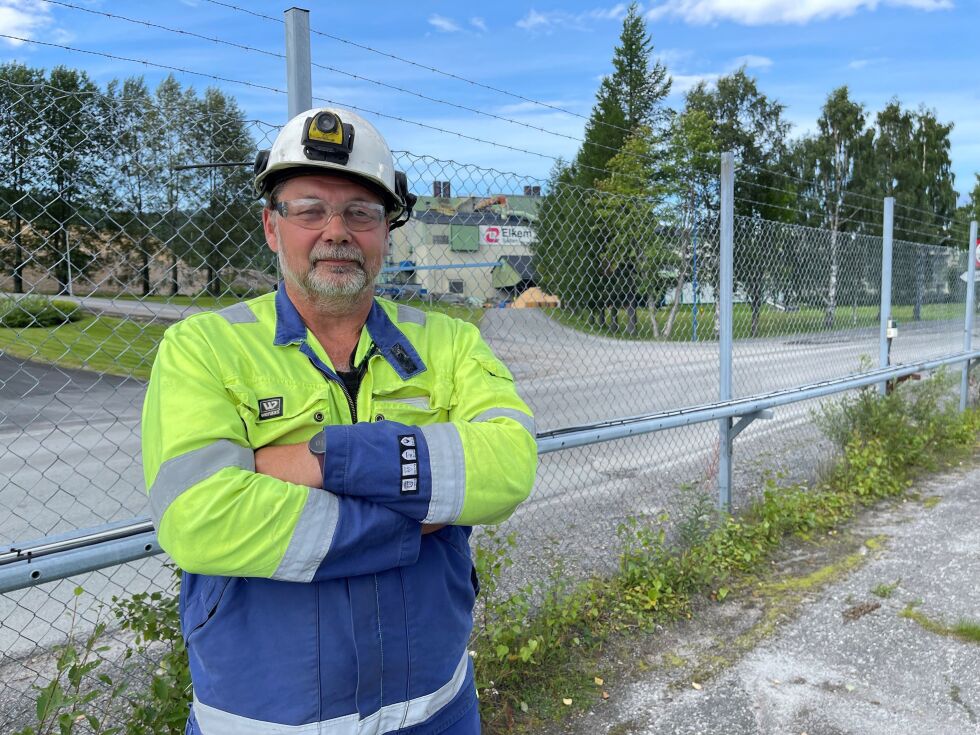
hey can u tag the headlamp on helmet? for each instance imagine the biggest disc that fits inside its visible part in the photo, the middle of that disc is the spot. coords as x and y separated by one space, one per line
328 138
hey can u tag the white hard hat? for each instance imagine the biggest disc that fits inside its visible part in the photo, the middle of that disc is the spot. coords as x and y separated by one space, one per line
337 141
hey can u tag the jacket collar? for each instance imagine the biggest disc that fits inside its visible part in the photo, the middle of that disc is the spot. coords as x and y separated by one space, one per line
391 342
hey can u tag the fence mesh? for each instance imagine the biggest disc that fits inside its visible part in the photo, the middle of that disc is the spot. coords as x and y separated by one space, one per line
121 213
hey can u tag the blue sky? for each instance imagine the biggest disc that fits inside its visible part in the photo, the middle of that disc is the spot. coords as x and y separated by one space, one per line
924 52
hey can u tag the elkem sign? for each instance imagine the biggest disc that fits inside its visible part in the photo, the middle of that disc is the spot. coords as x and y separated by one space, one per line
506 235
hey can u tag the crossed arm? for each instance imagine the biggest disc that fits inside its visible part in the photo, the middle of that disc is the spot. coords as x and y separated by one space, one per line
296 464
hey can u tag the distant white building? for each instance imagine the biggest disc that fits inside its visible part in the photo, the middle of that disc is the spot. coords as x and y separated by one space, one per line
452 244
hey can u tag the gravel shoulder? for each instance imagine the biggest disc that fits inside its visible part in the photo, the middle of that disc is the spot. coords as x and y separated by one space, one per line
824 644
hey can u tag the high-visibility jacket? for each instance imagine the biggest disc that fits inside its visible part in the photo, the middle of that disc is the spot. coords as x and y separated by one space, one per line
325 610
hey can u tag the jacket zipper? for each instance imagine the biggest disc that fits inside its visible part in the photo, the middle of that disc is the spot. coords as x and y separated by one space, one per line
352 400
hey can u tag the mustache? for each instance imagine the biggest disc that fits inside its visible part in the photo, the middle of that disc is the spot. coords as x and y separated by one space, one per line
336 252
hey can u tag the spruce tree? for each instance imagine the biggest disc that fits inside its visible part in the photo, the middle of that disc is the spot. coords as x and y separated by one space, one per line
632 96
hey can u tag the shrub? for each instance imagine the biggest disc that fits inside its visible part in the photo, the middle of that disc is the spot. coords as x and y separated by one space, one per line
37 311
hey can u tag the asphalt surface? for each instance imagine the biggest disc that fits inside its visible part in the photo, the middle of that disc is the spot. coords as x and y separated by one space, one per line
848 663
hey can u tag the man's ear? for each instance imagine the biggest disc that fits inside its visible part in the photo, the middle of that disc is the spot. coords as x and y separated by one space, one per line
269 228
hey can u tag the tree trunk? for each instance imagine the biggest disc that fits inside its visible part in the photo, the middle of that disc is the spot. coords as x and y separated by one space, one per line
828 321
63 272
18 257
920 285
144 268
756 309
212 279
631 317
675 305
652 308
174 274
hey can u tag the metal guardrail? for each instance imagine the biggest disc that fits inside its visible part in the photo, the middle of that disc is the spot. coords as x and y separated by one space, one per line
51 559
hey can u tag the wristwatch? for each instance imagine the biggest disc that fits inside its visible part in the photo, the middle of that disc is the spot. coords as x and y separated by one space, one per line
318 447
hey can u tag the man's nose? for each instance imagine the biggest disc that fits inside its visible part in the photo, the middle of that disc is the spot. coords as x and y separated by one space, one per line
335 228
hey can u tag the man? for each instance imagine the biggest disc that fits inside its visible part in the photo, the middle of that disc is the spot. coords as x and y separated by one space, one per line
315 458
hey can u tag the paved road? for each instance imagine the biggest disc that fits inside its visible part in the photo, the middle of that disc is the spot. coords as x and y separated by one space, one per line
843 666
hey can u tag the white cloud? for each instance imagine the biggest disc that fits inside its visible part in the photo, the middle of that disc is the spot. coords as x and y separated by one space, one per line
684 83
479 24
670 57
538 21
22 19
766 12
446 25
533 20
616 12
862 63
751 61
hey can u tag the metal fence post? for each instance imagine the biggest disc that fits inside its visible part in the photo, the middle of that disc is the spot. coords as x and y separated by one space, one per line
726 306
971 292
887 232
299 81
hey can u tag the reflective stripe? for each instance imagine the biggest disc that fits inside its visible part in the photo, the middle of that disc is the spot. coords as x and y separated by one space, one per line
419 402
213 721
311 537
410 314
519 416
183 472
238 314
447 464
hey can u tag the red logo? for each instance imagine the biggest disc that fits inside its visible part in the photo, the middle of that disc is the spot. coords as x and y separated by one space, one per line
493 235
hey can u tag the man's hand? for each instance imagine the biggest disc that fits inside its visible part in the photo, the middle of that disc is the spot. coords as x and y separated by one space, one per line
290 463
295 463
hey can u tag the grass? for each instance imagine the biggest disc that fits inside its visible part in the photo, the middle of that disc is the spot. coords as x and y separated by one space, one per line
964 630
466 313
126 347
884 591
101 344
772 321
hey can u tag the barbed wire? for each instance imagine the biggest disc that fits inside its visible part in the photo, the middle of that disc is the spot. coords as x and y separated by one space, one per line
144 62
926 234
859 195
168 29
335 70
426 67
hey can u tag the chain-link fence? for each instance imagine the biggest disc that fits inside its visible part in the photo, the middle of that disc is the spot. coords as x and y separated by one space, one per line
122 212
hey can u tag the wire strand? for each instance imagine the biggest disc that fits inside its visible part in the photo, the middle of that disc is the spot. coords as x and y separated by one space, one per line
144 62
426 67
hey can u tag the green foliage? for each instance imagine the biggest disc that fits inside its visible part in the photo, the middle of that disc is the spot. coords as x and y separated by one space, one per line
71 698
885 591
83 694
631 97
37 311
658 576
161 708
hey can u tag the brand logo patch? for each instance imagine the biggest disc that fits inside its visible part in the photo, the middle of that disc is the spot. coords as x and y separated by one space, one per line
270 408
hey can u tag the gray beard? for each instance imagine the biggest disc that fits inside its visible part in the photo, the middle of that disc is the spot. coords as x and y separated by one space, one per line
337 290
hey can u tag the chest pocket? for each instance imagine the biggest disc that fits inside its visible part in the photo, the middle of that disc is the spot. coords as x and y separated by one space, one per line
412 404
287 414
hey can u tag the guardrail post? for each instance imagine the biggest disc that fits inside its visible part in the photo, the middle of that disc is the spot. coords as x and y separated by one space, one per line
972 251
726 305
299 81
887 233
